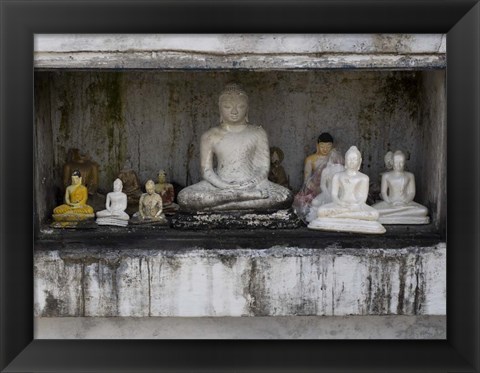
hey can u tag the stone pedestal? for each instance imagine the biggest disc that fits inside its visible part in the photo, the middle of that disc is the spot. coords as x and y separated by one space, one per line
281 219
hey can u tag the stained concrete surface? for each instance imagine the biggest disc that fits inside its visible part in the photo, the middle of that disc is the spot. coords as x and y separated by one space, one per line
353 327
279 281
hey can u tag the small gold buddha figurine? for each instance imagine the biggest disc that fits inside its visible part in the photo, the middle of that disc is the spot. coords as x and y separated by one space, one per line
277 173
167 193
150 207
75 207
87 167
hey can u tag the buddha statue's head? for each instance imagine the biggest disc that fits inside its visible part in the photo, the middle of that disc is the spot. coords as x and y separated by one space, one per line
353 159
117 185
324 143
233 105
388 159
162 177
150 187
398 160
76 177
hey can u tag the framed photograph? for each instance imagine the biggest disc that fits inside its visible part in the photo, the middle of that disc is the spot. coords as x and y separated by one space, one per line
411 89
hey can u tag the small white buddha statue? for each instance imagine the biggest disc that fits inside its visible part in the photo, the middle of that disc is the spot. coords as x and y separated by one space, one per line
116 203
240 180
348 211
398 192
150 207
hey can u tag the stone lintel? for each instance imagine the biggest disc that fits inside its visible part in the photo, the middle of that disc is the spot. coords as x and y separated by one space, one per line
241 51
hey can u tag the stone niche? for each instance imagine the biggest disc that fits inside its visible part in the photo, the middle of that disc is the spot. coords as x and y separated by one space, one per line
149 98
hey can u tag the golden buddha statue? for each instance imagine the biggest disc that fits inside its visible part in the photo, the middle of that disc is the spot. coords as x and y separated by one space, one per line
75 207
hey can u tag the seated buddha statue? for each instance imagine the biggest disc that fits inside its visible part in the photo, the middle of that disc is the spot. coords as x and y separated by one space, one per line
150 207
398 192
167 193
131 186
348 211
87 167
116 203
75 207
277 173
240 180
312 175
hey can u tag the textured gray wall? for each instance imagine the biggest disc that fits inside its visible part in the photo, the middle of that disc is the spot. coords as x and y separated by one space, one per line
279 281
156 118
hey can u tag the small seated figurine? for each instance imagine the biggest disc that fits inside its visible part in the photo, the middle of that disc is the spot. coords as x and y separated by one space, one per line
312 174
348 212
75 208
87 168
240 181
398 192
115 207
149 207
167 193
277 173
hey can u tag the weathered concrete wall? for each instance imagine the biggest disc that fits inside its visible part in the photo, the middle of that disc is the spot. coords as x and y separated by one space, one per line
432 180
240 51
244 282
294 327
156 118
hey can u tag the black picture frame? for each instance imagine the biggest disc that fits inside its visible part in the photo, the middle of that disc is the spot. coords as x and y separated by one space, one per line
20 20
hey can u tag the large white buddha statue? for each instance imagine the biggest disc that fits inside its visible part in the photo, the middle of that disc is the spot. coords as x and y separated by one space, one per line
398 191
116 203
240 180
348 211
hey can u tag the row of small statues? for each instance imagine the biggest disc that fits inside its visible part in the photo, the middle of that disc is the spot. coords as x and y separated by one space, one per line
333 196
152 205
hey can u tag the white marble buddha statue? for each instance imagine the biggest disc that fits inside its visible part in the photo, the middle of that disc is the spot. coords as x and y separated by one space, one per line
116 203
348 211
240 180
398 192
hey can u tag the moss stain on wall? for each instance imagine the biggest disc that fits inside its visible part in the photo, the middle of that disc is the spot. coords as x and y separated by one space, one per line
106 96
